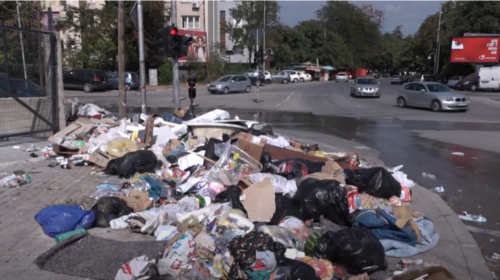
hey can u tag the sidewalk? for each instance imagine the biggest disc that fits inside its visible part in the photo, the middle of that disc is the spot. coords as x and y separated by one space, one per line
23 240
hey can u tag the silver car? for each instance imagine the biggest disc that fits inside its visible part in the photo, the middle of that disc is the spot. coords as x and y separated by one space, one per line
452 82
342 77
365 86
231 83
281 77
436 96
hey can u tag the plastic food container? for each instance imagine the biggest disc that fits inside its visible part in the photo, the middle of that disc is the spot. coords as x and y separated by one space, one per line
233 165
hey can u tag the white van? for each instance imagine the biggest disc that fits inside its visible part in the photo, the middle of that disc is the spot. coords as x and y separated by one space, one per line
489 78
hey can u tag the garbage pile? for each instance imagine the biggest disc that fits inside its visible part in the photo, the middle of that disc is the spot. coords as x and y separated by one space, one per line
226 198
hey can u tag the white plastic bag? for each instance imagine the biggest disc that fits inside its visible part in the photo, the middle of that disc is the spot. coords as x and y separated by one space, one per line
402 178
165 232
178 257
134 269
280 183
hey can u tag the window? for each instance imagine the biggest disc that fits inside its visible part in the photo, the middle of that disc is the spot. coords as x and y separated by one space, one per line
419 87
222 15
408 87
438 88
191 22
113 75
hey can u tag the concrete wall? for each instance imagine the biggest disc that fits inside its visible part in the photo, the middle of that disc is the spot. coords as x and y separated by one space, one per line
14 118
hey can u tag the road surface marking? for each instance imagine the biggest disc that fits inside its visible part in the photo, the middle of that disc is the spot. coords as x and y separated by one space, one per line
284 101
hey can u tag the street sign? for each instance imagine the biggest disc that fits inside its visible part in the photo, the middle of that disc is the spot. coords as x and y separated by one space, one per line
133 15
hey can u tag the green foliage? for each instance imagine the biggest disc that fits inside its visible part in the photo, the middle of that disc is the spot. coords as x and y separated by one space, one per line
165 74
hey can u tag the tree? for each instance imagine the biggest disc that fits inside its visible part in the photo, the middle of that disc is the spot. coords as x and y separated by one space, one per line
358 26
249 15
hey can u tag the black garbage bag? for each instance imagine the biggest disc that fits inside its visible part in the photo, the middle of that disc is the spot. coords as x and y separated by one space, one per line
376 181
285 207
267 165
189 115
311 166
355 248
231 194
108 208
323 197
131 163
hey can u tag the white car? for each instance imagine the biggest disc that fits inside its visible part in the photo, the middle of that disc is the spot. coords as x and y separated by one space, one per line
305 77
294 75
342 77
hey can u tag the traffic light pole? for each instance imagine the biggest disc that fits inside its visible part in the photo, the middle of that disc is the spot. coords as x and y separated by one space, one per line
142 66
175 60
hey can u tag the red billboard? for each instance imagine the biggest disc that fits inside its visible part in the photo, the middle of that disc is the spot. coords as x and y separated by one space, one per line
475 49
197 50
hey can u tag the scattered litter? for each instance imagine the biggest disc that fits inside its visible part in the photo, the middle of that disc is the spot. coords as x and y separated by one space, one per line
439 189
429 176
458 154
16 147
484 231
473 218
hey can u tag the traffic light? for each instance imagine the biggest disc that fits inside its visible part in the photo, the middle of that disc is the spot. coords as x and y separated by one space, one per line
163 42
256 57
262 56
186 41
173 41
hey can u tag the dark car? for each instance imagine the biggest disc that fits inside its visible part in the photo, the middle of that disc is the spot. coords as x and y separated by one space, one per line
86 79
398 79
20 88
386 75
132 80
471 82
442 78
253 78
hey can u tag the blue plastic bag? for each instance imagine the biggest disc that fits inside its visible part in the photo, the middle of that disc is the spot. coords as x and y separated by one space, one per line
58 219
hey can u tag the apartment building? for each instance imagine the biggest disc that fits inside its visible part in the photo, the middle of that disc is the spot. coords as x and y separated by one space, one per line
217 18
191 20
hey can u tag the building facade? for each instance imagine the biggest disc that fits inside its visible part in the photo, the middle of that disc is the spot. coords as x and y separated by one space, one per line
218 17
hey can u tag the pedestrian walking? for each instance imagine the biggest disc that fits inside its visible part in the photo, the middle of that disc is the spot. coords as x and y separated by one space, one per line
192 83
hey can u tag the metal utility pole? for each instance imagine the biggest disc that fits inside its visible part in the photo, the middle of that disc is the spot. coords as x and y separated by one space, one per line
438 45
142 66
175 61
122 104
257 82
264 41
21 39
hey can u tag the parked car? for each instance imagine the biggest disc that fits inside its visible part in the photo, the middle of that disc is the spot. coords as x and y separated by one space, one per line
342 77
398 80
365 86
86 79
453 80
305 77
386 75
266 75
20 88
231 83
422 78
280 77
489 78
253 78
442 78
470 82
432 95
132 80
294 75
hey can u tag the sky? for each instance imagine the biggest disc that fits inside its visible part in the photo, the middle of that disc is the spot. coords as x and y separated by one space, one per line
409 14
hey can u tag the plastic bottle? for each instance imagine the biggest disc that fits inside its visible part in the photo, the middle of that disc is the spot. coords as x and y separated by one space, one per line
65 235
9 181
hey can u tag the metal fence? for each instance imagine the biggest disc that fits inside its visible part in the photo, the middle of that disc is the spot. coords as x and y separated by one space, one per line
28 82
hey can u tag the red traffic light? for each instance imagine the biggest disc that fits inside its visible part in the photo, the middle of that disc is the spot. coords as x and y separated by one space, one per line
173 31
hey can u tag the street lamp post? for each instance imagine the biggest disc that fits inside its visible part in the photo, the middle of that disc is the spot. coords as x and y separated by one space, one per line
438 45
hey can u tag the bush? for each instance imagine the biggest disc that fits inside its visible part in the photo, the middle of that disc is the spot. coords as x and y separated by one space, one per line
165 74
